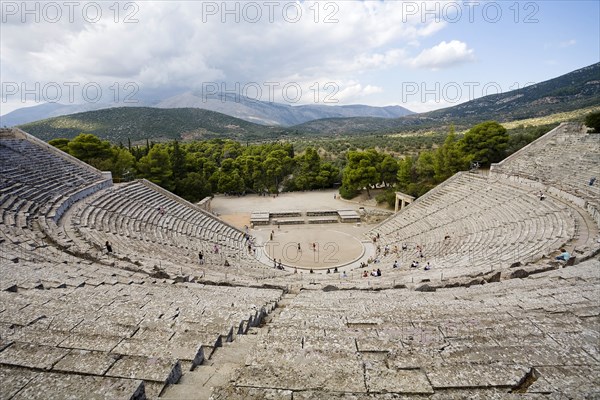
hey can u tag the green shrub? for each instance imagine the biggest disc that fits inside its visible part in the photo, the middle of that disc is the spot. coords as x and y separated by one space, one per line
593 121
389 197
347 193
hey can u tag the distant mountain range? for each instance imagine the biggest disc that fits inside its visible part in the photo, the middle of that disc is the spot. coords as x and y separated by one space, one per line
572 91
575 90
267 113
248 109
47 110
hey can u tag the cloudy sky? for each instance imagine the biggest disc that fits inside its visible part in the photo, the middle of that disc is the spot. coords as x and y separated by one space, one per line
423 55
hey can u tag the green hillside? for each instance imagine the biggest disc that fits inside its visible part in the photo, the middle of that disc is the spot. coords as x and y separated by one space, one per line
575 90
141 123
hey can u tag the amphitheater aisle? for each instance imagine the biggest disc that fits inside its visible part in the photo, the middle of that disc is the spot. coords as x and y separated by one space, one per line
220 370
78 322
536 336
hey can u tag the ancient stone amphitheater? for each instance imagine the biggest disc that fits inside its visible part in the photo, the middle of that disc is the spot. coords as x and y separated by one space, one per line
496 317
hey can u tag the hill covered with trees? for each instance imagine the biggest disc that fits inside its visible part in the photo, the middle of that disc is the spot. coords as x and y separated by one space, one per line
140 123
201 168
576 90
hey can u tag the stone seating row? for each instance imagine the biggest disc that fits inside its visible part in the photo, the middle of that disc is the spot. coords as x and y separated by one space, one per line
492 225
110 216
51 182
455 343
146 333
177 250
150 207
177 255
38 162
566 158
22 383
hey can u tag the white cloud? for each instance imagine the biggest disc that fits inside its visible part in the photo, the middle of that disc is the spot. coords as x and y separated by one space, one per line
443 55
354 92
186 44
388 59
567 43
361 46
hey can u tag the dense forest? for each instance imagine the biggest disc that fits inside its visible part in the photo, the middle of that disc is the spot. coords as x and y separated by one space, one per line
411 164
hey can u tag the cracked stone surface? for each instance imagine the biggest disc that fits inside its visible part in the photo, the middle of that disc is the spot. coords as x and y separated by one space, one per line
54 386
31 355
381 377
457 347
147 369
83 324
331 370
86 362
13 380
475 375
243 393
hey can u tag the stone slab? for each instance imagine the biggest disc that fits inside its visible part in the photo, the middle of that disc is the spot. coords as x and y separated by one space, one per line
344 343
23 317
158 349
86 362
58 386
154 389
337 371
377 344
31 355
148 369
570 381
106 327
13 380
245 393
320 394
65 322
91 342
380 377
31 334
475 375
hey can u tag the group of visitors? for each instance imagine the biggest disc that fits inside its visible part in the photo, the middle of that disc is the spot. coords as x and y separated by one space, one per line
374 272
415 264
419 253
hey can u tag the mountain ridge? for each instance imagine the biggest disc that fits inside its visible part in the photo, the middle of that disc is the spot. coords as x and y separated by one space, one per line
272 113
576 90
234 105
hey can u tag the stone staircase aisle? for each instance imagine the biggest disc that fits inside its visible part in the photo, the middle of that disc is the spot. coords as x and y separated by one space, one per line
220 369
